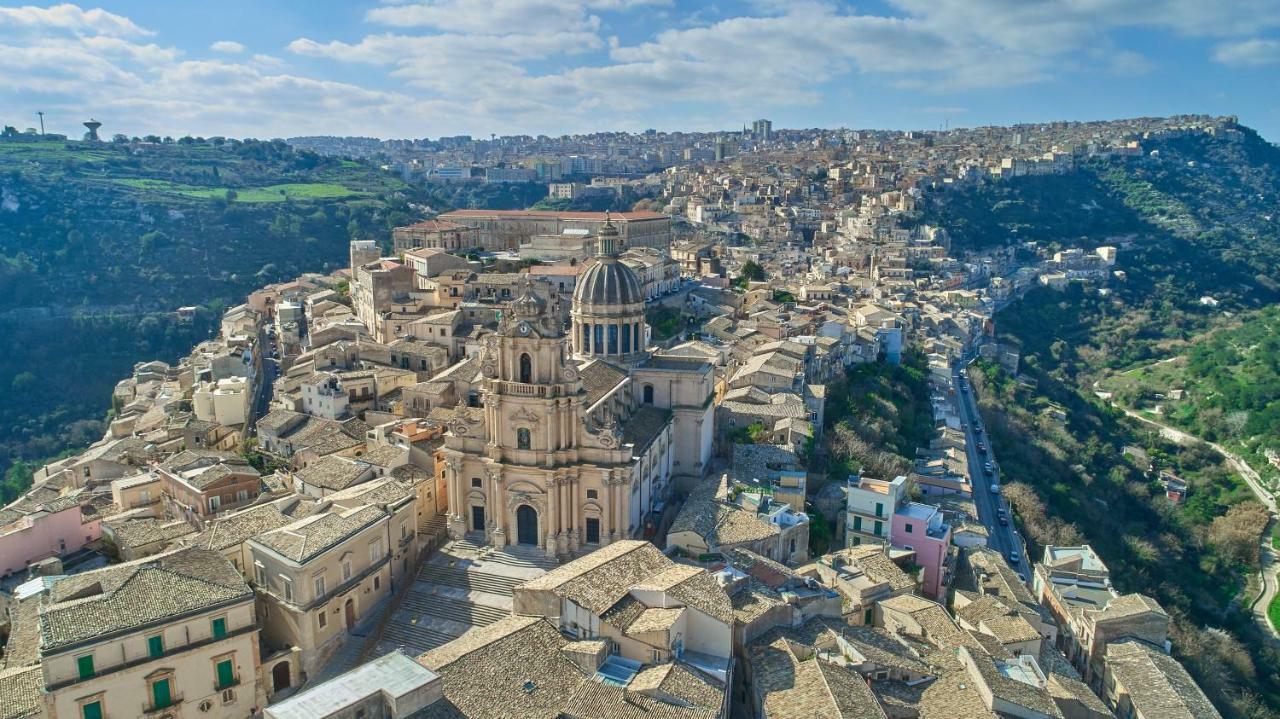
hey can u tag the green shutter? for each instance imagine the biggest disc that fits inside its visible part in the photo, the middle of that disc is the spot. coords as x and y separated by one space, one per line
85 664
226 674
92 710
857 524
155 645
160 697
879 509
878 527
219 628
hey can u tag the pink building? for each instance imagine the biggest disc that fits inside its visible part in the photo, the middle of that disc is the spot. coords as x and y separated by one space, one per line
919 528
32 532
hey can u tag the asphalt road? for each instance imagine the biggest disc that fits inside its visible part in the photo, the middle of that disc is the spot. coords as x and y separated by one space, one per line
262 393
1002 538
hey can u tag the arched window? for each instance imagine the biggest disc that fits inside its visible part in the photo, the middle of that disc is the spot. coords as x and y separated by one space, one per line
636 330
523 439
648 394
526 368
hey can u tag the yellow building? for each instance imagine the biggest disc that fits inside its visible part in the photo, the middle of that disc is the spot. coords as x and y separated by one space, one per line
174 635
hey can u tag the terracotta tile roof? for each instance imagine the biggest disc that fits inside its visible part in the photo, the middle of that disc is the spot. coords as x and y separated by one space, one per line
20 693
1157 684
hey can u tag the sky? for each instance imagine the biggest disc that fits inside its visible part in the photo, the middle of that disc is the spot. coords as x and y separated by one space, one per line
431 68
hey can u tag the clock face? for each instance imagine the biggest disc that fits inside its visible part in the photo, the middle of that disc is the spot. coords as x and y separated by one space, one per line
523 328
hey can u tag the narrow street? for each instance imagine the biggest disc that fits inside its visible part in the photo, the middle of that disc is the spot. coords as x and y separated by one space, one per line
1002 538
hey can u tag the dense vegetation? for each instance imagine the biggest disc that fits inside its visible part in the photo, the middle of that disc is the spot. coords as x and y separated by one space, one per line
876 417
1229 380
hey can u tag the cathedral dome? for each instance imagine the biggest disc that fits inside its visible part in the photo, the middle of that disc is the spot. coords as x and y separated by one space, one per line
608 282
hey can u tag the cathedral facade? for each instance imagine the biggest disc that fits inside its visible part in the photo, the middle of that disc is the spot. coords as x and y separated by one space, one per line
581 431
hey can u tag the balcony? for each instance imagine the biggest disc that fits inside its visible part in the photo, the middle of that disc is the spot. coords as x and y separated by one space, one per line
172 709
520 389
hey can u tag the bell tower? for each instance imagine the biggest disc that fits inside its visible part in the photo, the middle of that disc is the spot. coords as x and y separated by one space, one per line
531 385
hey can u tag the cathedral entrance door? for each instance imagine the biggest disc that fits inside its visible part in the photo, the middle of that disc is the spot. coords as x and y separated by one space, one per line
526 525
477 519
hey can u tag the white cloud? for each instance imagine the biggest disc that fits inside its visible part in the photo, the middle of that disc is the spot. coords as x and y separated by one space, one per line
1254 52
230 47
563 66
70 18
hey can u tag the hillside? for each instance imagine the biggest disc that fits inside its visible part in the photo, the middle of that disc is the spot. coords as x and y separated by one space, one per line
100 243
1195 220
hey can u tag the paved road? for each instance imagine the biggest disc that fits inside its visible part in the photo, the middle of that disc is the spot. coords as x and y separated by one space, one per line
1002 538
262 392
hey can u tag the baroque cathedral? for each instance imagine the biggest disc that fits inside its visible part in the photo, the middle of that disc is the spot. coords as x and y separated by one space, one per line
582 432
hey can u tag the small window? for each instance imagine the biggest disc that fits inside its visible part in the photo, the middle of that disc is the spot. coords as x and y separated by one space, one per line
85 665
260 574
908 527
523 439
593 494
91 710
219 627
375 550
377 583
319 586
242 495
475 482
155 646
322 619
288 588
346 569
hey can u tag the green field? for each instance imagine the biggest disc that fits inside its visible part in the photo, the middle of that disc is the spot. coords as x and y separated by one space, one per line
1273 611
269 193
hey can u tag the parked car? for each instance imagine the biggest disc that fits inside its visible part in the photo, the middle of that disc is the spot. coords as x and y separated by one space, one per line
995 488
1004 521
1014 557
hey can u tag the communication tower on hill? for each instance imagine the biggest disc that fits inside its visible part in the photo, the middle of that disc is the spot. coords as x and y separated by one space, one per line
92 134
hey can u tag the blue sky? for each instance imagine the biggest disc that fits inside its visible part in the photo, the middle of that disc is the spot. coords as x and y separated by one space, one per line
271 68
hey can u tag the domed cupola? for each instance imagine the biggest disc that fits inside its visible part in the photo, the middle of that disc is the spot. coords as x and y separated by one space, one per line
608 305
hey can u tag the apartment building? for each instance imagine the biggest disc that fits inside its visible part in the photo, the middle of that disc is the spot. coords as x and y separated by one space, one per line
869 508
1074 584
318 576
920 528
199 484
169 636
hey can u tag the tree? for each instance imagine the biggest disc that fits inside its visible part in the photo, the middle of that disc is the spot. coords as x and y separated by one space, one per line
753 271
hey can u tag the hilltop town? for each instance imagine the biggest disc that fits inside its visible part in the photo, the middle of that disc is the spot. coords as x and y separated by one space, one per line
568 463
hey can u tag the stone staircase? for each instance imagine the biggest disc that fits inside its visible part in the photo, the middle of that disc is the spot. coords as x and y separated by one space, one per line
434 526
474 580
465 585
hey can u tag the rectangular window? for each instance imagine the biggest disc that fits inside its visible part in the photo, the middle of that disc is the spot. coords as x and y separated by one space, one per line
857 524
878 529
879 509
85 665
377 583
242 495
226 674
214 503
91 710
375 550
288 588
160 695
613 339
322 619
319 587
219 627
260 574
346 570
908 527
155 646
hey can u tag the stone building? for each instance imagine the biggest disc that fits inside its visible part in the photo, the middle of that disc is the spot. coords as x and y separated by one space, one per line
578 436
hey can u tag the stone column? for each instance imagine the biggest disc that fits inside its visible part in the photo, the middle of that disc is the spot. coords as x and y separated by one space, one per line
552 491
606 517
574 491
497 500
